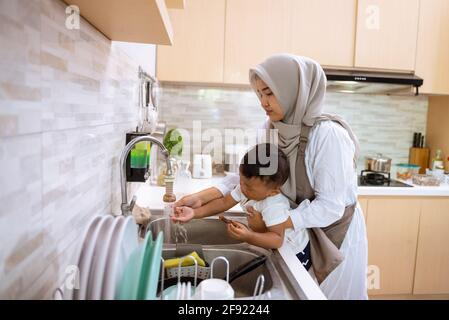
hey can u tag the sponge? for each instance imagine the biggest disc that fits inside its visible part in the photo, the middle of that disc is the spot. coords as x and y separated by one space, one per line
174 263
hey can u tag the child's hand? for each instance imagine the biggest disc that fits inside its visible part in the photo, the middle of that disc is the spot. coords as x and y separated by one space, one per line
239 231
255 220
191 200
183 214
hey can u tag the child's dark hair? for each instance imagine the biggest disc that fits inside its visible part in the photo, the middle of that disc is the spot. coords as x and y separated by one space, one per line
266 162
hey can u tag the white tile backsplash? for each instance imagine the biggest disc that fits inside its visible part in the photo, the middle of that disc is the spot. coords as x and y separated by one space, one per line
67 98
382 123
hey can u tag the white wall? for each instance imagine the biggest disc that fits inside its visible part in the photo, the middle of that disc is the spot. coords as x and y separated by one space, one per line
67 99
142 54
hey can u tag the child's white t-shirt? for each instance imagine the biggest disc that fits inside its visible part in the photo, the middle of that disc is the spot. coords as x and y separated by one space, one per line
274 211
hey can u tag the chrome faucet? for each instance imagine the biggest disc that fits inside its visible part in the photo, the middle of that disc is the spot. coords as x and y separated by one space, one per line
125 207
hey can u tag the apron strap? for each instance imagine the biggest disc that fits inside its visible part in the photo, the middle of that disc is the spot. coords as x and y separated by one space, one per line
325 242
303 139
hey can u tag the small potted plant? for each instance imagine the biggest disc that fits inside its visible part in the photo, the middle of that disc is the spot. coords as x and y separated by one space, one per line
174 143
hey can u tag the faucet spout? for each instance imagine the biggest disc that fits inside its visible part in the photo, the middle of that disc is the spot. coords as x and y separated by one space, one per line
125 207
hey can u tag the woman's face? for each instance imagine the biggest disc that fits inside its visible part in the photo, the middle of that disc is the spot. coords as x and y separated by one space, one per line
268 101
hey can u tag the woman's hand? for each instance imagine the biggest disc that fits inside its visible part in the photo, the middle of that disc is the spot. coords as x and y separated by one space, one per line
255 220
183 214
239 231
191 200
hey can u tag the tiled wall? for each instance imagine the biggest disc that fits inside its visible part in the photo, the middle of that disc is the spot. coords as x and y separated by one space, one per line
382 123
66 99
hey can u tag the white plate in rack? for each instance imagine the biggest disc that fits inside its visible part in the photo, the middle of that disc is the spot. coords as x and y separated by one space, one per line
99 258
85 257
124 241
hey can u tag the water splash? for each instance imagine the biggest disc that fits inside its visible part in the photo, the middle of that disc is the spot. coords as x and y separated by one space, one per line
180 233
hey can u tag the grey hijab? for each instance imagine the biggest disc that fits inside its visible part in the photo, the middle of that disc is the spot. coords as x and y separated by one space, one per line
299 85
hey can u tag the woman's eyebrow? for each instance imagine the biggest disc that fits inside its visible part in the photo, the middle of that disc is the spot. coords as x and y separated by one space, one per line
266 88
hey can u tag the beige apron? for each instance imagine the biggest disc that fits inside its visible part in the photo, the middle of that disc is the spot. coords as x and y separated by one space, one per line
324 242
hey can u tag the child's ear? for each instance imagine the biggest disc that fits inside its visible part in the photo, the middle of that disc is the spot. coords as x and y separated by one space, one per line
274 191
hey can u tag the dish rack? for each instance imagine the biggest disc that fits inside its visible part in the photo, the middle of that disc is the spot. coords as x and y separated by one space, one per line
198 272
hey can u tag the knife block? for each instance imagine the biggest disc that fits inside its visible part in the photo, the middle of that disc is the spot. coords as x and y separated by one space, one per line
420 157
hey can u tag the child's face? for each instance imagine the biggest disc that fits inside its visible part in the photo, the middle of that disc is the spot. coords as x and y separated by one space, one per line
255 189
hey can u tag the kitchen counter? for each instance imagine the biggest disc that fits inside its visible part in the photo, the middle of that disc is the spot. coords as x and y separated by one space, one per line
414 191
150 195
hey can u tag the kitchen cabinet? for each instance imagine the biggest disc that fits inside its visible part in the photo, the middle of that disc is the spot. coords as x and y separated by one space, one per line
256 29
145 21
432 57
219 41
392 228
324 30
432 263
175 4
197 52
387 33
364 204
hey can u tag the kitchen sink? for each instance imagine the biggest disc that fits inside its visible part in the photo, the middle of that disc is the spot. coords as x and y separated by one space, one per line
209 231
244 285
210 236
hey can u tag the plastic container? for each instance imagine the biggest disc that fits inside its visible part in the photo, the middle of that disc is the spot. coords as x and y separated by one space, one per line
426 180
405 171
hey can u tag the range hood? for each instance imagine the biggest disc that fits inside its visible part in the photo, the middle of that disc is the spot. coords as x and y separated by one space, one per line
353 81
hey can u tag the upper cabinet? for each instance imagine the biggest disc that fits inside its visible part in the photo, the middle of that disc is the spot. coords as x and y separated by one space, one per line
255 29
324 30
386 34
218 41
175 4
197 52
145 21
432 58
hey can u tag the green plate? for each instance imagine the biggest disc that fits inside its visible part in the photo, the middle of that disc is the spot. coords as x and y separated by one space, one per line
145 265
131 280
151 270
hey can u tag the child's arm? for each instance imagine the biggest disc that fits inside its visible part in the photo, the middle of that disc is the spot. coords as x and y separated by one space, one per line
272 239
198 199
255 220
215 206
185 213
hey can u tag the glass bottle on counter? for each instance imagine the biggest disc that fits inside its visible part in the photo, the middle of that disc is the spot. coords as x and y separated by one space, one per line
183 180
437 161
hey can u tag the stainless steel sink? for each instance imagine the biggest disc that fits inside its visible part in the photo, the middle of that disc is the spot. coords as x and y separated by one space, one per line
243 286
204 231
211 234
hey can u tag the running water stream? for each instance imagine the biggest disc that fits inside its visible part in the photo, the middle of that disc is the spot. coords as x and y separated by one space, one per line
180 233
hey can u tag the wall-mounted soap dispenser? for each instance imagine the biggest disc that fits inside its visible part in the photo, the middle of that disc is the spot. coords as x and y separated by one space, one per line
138 162
142 162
